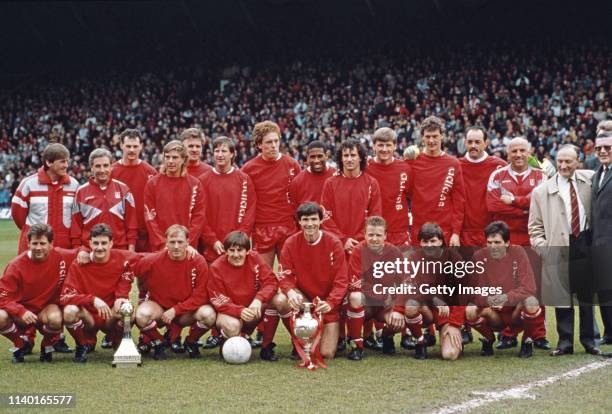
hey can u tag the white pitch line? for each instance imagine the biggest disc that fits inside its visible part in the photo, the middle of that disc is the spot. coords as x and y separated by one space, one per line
518 392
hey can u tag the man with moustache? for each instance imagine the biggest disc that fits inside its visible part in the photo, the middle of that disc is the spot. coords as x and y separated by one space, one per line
477 167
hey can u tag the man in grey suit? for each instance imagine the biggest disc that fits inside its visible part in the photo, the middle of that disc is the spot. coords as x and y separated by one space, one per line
559 220
602 230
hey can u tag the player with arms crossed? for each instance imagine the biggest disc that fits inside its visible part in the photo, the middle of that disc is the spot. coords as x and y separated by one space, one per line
176 293
240 286
93 293
29 293
508 268
312 265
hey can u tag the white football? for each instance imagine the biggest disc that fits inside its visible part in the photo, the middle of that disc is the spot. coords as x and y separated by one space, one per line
236 350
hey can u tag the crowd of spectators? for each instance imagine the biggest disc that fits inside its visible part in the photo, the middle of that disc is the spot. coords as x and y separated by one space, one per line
550 96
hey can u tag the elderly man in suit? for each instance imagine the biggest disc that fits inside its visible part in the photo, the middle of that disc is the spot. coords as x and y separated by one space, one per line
602 230
559 221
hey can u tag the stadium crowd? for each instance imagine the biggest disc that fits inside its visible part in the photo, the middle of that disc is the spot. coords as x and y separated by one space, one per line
550 96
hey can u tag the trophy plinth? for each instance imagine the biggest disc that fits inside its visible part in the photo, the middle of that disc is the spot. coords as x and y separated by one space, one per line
305 329
127 355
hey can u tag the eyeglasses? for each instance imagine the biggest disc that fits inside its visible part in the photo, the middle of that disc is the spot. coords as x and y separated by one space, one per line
606 148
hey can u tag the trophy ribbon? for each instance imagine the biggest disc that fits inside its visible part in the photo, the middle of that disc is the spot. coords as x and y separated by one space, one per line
315 360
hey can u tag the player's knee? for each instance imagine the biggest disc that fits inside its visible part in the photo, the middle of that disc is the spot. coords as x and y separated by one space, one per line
144 316
531 304
450 353
356 299
411 311
231 327
54 319
71 313
206 314
280 302
5 319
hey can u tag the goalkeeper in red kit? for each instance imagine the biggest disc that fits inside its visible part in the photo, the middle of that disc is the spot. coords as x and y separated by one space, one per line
240 286
176 293
29 293
93 293
312 265
508 268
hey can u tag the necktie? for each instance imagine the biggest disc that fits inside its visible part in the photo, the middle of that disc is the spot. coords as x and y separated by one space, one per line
603 175
575 211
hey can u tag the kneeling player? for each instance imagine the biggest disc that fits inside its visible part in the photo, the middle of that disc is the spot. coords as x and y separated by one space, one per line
177 293
440 308
313 265
93 293
363 302
507 267
29 293
241 282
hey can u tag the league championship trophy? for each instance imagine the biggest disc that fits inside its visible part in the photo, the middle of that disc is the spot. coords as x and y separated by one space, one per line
307 331
127 355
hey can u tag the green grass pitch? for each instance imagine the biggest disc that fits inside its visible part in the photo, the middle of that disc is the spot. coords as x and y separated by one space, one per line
376 384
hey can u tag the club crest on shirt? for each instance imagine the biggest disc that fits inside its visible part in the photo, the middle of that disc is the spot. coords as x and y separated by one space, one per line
117 195
532 182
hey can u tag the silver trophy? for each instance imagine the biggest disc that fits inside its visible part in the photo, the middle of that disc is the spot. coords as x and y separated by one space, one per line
305 328
127 354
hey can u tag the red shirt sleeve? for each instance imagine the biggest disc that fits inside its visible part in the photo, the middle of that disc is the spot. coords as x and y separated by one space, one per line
76 226
131 219
10 292
375 204
248 221
124 285
328 205
340 286
219 296
20 206
494 193
526 283
199 295
198 214
286 266
72 289
156 236
458 198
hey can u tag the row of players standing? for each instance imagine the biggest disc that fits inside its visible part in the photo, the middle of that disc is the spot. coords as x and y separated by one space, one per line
140 204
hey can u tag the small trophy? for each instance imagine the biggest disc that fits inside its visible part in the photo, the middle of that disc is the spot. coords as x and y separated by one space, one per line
305 328
127 354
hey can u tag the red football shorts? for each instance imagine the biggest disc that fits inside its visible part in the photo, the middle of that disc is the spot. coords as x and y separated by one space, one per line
271 237
456 317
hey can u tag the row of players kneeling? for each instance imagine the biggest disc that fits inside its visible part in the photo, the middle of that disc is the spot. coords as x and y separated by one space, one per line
239 289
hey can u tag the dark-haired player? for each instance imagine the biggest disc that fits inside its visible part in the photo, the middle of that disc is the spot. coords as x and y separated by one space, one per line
240 286
308 185
93 293
312 265
29 292
507 267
